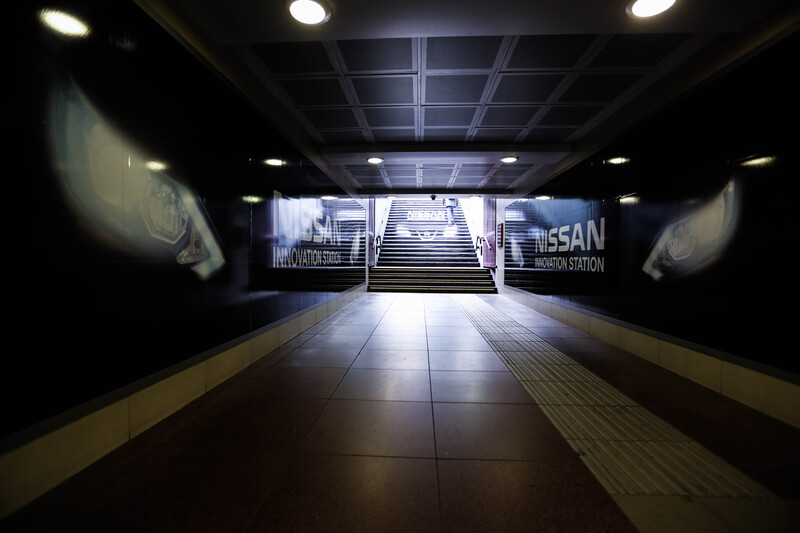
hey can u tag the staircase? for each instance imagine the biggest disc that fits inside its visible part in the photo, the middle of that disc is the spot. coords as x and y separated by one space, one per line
420 252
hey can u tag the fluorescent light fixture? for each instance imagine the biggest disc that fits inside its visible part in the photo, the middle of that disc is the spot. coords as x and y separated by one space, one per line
648 8
252 199
63 23
543 198
375 160
329 197
391 197
630 200
509 159
274 162
617 160
309 11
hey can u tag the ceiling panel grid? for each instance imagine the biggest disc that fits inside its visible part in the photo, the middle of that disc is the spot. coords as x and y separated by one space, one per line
487 90
426 85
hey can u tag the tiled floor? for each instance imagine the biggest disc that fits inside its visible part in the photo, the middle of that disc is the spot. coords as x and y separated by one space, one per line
396 414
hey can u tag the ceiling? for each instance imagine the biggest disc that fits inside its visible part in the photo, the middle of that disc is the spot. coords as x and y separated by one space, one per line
441 89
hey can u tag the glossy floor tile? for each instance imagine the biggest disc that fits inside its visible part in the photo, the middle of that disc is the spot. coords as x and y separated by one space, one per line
485 360
397 414
353 493
357 427
385 384
475 386
394 358
486 495
511 432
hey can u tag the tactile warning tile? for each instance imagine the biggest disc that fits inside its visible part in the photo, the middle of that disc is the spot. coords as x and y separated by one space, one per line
576 393
630 450
533 353
615 422
537 372
664 468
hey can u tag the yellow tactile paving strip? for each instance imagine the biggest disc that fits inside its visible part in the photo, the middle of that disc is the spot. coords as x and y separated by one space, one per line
631 451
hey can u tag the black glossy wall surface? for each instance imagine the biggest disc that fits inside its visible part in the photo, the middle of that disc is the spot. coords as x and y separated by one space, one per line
140 211
697 224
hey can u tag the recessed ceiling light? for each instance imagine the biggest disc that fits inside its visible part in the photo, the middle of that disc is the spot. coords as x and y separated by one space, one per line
763 161
629 200
63 23
375 160
274 162
309 11
155 166
328 197
509 159
648 8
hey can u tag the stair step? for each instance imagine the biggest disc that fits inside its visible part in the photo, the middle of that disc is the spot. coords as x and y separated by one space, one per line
413 288
430 283
430 276
426 254
468 260
447 262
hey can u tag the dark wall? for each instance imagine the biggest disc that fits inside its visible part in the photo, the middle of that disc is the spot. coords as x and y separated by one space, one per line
116 269
697 236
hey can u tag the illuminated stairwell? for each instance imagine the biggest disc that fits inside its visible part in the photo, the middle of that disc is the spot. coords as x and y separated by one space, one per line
420 251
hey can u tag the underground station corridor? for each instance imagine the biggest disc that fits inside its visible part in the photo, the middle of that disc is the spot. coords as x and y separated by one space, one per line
402 268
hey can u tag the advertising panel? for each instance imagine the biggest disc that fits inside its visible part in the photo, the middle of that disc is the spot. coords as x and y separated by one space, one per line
558 245
127 196
137 238
312 232
689 243
308 243
676 266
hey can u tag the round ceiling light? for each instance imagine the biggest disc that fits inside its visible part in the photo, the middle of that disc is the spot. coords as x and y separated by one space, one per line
509 159
375 160
309 11
155 166
648 8
64 23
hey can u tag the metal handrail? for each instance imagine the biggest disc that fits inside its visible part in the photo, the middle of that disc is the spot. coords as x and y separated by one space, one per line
481 238
478 240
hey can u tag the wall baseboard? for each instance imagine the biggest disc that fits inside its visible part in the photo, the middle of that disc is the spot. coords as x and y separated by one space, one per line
60 451
762 391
